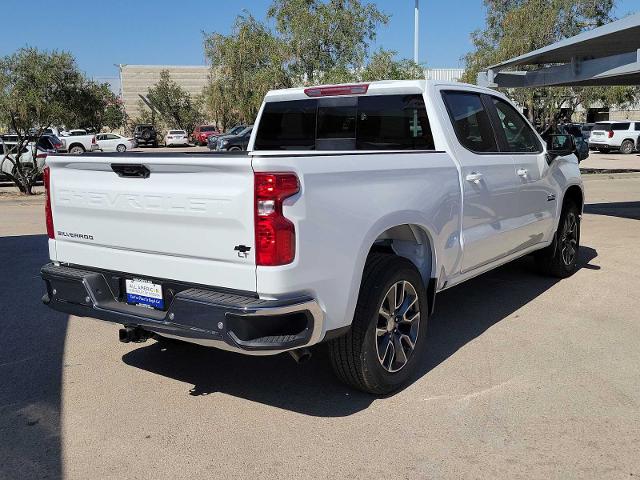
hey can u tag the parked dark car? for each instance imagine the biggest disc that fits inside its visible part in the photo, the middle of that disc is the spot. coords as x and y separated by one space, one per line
51 143
212 141
145 135
237 142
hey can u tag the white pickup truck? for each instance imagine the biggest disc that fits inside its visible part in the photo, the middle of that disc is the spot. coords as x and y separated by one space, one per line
353 207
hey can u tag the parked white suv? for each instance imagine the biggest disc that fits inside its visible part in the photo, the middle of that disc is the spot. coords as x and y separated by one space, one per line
622 136
353 207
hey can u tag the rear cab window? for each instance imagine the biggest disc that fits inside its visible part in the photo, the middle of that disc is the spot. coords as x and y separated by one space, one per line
470 121
375 122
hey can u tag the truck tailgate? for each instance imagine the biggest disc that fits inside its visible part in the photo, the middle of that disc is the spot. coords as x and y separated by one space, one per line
182 222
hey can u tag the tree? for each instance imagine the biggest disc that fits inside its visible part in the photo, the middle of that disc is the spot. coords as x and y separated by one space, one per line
510 31
244 66
95 106
174 104
36 88
325 39
383 66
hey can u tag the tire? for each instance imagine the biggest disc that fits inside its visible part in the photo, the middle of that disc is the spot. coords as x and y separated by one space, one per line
121 148
365 358
77 150
560 258
234 149
146 135
627 147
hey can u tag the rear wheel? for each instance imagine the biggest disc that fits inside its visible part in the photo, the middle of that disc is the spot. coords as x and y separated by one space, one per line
234 149
382 351
560 258
77 150
121 148
627 147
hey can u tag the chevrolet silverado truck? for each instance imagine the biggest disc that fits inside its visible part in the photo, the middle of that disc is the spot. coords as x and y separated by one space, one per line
352 208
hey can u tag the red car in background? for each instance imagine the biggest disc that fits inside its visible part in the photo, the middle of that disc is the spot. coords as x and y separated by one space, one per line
202 132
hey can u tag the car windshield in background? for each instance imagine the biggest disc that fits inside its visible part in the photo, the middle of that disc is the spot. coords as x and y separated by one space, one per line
236 130
207 129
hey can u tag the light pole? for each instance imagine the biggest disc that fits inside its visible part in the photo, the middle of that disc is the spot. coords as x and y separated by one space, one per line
416 17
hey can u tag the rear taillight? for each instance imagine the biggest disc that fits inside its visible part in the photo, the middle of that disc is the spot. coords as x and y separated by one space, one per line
275 234
46 177
359 89
93 140
610 133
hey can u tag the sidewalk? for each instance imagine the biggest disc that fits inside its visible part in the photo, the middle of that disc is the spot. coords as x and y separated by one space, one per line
611 161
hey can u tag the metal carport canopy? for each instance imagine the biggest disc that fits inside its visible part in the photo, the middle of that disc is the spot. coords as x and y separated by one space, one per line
607 55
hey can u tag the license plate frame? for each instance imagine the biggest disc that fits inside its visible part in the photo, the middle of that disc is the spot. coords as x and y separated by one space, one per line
144 293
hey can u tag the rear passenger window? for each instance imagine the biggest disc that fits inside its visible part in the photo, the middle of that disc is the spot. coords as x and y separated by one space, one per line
287 126
620 126
470 121
518 134
393 122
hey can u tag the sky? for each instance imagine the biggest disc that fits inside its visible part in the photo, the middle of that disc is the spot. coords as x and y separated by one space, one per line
170 32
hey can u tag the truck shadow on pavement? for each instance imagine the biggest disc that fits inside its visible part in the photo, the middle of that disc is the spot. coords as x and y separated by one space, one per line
615 209
462 314
31 363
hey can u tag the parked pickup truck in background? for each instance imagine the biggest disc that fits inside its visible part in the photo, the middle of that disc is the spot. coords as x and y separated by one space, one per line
353 207
78 142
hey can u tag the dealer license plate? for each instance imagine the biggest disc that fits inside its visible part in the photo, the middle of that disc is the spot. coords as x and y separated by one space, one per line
145 293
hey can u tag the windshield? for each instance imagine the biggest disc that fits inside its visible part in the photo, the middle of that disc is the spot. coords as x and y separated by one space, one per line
207 129
236 130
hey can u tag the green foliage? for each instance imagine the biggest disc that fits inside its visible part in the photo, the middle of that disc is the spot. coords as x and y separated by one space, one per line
383 66
515 27
95 106
325 38
174 104
36 89
314 41
245 65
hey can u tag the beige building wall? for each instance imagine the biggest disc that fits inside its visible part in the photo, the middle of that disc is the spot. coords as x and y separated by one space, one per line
135 80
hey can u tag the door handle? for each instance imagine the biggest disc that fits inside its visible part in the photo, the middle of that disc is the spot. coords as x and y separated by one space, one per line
522 172
474 177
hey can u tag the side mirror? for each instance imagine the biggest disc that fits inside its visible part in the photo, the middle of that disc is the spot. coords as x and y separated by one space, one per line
560 146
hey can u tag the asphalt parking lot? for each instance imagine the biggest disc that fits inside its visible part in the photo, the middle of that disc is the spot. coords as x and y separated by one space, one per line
526 377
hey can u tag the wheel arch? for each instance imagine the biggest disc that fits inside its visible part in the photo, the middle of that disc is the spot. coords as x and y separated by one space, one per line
574 193
76 144
415 242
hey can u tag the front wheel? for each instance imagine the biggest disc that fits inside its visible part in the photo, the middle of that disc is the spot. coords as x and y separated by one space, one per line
560 258
121 148
382 351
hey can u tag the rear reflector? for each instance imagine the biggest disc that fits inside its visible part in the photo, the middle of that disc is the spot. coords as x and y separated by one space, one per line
610 133
275 234
46 178
359 89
